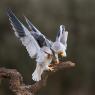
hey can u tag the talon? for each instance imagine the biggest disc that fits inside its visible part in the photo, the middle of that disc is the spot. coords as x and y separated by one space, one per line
50 65
51 68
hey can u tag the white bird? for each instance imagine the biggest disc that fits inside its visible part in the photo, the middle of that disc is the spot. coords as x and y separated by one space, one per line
43 53
60 45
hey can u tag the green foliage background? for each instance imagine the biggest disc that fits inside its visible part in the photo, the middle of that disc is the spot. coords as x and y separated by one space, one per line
79 18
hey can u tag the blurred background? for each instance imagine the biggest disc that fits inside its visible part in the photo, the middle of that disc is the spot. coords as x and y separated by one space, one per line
79 18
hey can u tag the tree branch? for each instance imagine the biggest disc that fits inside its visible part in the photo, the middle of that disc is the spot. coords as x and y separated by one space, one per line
16 80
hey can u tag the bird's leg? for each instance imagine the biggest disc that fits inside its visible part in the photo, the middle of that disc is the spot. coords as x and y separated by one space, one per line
49 68
55 59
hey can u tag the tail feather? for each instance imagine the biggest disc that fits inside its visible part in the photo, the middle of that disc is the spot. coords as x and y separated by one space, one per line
36 76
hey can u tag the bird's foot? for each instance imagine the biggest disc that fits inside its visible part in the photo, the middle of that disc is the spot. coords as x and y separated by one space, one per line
50 68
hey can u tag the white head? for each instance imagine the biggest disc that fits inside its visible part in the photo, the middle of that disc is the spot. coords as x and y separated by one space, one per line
48 52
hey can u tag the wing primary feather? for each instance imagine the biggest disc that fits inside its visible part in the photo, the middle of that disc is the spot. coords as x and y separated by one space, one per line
41 39
31 26
64 38
64 35
23 34
60 32
28 22
17 25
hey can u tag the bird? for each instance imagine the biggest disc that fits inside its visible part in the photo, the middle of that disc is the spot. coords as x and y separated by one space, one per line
38 45
42 53
60 44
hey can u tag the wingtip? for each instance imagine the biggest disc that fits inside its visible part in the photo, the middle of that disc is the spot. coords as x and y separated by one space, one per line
9 12
30 25
27 20
62 27
25 17
9 9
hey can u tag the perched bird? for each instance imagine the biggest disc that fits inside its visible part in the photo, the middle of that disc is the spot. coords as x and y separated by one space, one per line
60 45
38 46
43 53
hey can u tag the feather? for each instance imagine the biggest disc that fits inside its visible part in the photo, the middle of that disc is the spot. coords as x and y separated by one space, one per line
24 35
37 44
60 32
42 40
31 26
62 36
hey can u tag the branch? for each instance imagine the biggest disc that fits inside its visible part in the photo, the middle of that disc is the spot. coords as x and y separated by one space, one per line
16 80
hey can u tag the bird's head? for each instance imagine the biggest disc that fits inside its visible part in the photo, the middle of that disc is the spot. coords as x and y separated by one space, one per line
59 48
48 52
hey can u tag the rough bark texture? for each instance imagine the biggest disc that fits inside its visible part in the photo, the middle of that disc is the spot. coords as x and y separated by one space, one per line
16 80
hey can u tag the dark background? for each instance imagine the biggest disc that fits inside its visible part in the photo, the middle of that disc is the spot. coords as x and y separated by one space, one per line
79 18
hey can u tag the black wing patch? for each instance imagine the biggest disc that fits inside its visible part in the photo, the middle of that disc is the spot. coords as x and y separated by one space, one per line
16 23
40 39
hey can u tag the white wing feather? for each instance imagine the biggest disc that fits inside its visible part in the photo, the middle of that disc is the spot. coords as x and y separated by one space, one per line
64 38
34 29
27 40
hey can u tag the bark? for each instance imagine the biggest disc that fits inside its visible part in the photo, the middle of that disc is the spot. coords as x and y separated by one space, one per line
20 88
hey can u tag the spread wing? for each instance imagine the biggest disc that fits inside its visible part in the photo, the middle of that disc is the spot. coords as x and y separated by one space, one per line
23 34
62 35
41 39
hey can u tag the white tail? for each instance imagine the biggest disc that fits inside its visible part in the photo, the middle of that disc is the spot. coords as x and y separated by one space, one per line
36 76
